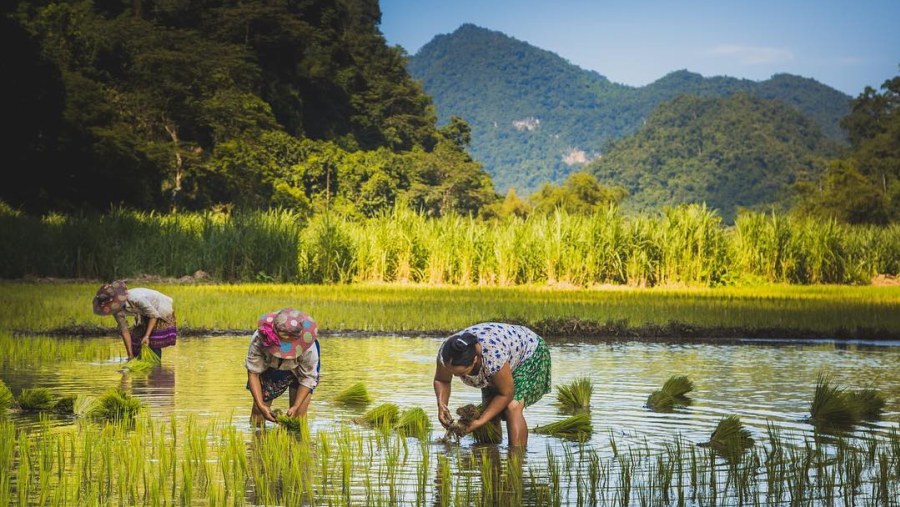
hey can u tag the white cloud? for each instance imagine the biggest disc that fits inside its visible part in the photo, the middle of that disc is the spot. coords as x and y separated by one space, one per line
752 55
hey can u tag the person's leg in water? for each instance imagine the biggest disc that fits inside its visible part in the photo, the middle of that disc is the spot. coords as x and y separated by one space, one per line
516 427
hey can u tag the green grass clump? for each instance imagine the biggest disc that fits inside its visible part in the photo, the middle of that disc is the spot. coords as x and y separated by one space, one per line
293 424
868 403
116 405
36 399
673 393
6 398
575 395
86 406
413 422
145 362
835 408
65 405
730 439
576 427
357 394
384 415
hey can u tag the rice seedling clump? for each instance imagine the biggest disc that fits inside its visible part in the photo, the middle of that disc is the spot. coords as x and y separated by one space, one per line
730 439
357 394
835 408
65 405
486 434
576 427
36 399
293 424
575 395
413 422
673 393
6 398
384 415
116 405
145 362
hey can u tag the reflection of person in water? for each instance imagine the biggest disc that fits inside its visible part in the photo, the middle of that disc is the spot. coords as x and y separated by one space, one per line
511 365
153 311
283 354
156 389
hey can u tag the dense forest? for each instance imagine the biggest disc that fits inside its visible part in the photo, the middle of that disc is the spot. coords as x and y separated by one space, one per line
176 104
734 152
535 117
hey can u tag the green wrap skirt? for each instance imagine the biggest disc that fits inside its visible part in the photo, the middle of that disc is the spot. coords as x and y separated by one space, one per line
531 378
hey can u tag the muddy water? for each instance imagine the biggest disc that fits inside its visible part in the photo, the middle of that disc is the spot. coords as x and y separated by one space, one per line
762 382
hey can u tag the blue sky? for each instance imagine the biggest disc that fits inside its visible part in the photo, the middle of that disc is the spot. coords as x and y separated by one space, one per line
845 44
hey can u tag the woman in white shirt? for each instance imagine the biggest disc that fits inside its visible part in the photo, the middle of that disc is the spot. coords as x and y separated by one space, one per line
153 312
283 354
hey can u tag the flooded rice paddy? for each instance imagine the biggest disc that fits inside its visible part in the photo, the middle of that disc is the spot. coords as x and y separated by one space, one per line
634 456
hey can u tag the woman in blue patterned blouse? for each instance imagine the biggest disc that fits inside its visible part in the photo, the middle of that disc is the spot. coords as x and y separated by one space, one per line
511 365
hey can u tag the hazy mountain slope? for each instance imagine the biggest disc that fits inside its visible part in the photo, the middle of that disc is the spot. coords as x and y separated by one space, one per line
535 117
730 152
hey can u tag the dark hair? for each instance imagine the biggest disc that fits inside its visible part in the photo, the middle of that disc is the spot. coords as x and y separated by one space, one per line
459 349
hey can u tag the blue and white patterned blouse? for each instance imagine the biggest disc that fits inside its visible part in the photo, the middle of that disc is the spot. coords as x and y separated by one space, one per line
500 344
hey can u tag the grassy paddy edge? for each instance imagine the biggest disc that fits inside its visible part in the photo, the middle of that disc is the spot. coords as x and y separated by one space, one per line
767 311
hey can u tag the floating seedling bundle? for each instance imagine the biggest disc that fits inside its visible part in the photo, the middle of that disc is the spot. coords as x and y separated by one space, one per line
6 398
357 394
576 427
730 439
673 393
575 395
834 408
382 416
413 422
38 399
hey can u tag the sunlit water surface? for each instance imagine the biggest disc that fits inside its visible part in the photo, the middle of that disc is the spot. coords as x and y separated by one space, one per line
762 382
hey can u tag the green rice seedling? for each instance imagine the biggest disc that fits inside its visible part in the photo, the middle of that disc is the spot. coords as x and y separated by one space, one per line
6 398
293 424
357 394
116 405
37 399
489 433
576 427
576 395
672 394
384 415
413 422
831 408
65 405
868 403
730 439
143 363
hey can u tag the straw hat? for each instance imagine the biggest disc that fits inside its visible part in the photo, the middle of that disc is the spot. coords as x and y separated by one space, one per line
110 298
294 330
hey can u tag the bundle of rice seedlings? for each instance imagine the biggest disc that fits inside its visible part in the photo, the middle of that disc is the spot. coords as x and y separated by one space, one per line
38 399
117 405
65 405
413 422
6 398
357 394
382 416
489 433
576 427
293 424
576 395
145 362
673 393
868 404
86 406
730 439
831 407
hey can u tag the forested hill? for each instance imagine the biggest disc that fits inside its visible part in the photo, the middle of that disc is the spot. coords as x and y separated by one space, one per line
732 152
157 104
535 117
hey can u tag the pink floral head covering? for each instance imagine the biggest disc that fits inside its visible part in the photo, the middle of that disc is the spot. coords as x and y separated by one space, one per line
110 298
286 330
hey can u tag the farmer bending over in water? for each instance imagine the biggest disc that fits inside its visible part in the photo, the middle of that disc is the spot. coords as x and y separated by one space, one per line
511 365
153 311
282 357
